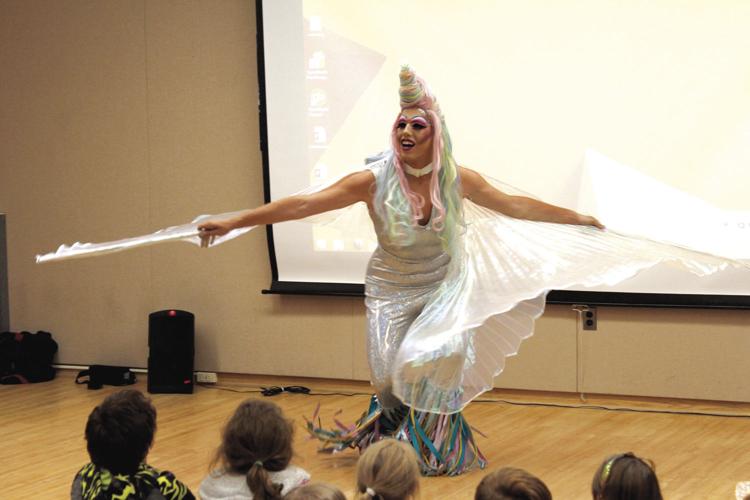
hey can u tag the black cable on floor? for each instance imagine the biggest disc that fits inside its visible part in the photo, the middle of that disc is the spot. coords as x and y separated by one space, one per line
298 389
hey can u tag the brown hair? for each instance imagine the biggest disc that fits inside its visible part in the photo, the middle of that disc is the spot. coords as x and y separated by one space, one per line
120 431
315 491
387 470
510 483
256 440
624 477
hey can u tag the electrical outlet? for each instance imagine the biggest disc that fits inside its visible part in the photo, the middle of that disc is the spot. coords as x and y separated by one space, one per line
206 377
588 318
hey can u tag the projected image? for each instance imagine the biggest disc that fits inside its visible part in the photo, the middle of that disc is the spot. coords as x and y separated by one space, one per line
329 59
644 124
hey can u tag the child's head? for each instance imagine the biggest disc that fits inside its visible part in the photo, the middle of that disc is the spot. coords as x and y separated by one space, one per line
623 477
387 470
315 491
509 483
120 431
256 440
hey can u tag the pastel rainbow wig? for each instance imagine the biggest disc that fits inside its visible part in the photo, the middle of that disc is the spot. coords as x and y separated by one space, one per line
400 207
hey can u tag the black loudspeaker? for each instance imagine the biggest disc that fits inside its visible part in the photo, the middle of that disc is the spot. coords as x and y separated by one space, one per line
171 340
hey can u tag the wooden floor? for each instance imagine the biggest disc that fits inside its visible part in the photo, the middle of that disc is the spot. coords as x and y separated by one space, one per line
697 456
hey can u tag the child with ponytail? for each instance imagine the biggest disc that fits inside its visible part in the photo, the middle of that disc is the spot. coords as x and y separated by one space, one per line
387 470
253 460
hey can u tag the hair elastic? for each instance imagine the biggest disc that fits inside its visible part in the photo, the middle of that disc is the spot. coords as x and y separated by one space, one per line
608 468
370 492
259 463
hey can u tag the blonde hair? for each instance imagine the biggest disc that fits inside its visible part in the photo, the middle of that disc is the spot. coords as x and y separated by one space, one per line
315 491
510 483
387 470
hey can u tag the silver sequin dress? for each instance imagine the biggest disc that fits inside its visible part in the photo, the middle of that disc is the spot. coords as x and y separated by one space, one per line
400 281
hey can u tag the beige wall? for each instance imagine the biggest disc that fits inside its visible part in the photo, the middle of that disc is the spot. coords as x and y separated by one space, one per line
119 118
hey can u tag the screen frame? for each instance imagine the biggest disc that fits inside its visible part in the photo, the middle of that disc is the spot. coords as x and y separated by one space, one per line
614 299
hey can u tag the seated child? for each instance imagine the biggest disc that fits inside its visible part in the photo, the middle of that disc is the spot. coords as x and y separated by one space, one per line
119 433
625 476
387 470
510 483
254 455
316 491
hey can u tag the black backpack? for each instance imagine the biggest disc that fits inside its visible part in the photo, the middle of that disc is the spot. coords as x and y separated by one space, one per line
26 357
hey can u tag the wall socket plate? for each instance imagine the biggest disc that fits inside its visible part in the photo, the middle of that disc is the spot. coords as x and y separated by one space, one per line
588 318
206 377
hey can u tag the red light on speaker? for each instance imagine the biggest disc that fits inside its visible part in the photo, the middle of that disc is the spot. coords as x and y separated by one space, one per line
186 381
173 313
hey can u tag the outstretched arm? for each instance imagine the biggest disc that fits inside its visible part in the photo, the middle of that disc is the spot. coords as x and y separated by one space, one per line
481 192
349 190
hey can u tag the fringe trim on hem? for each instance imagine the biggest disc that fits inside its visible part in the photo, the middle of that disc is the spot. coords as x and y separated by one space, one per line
444 443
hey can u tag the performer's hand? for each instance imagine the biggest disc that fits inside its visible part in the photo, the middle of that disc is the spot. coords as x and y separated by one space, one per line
213 228
587 220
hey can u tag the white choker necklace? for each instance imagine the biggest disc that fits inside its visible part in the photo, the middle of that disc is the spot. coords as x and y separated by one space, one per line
418 172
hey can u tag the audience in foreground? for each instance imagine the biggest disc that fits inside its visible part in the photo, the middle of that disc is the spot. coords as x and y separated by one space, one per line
387 470
253 460
510 483
625 477
119 433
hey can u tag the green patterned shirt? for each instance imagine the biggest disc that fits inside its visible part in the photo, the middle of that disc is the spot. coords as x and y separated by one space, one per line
97 483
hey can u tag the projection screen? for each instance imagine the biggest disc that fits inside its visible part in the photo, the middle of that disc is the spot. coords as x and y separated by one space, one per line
635 112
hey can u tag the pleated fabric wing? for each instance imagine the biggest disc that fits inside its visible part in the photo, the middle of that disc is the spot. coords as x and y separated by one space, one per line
496 289
184 232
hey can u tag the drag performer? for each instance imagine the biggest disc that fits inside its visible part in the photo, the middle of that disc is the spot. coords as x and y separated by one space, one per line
459 276
414 195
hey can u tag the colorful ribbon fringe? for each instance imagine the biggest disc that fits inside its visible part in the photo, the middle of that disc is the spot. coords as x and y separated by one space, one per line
444 443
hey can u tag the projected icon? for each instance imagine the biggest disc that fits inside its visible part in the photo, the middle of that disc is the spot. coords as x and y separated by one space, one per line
317 60
318 98
318 103
315 24
320 171
319 137
316 66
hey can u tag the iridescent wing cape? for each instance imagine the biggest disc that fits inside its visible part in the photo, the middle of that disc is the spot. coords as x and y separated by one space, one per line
494 290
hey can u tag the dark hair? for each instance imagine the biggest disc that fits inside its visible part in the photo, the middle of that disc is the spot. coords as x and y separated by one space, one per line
120 431
624 477
257 439
510 483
